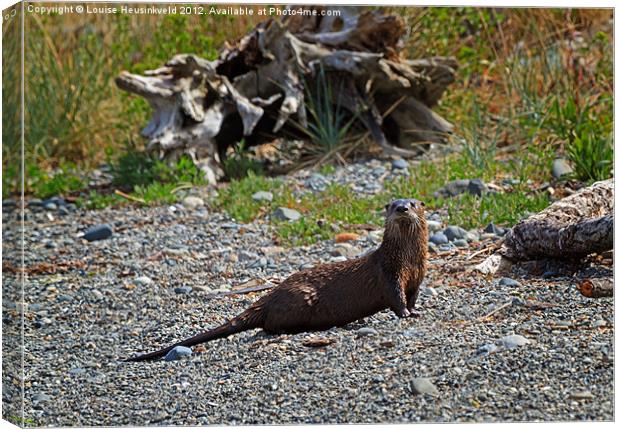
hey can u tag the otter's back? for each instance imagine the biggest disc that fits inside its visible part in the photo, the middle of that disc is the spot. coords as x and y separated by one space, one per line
323 297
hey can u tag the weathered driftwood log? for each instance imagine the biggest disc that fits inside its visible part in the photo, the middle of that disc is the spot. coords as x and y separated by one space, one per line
597 288
571 228
560 235
256 90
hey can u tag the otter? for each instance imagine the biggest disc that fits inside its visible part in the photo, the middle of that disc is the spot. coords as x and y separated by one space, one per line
336 294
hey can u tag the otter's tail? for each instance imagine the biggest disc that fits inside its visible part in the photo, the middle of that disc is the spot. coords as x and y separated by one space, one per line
249 319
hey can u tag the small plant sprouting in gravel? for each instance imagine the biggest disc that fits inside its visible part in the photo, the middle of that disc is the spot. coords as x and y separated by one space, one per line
239 165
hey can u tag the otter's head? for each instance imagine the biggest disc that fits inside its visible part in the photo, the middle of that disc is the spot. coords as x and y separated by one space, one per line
406 213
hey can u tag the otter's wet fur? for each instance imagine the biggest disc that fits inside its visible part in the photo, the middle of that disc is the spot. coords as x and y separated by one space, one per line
336 294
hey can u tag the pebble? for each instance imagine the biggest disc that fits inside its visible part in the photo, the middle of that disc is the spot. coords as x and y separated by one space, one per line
58 201
162 415
507 281
97 295
423 386
283 213
477 187
192 202
98 232
36 307
491 228
486 349
399 164
259 263
345 249
317 182
560 168
452 189
461 242
581 395
487 236
429 291
177 353
599 323
366 331
346 236
41 397
41 323
513 341
438 238
433 225
375 237
262 196
64 298
63 210
472 236
244 256
454 232
378 171
143 281
183 290
50 206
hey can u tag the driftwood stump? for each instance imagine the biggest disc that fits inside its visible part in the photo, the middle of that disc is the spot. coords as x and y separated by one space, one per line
256 89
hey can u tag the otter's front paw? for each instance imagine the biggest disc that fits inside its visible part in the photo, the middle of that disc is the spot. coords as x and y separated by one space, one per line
403 313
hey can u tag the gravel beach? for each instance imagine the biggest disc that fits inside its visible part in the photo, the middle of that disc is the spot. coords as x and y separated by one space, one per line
546 354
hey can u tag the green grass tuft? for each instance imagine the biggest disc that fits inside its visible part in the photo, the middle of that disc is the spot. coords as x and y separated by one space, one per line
97 201
239 165
237 200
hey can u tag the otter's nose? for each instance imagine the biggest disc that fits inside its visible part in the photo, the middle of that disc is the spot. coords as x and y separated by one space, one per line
401 209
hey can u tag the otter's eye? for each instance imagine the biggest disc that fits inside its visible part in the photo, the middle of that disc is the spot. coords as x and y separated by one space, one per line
422 204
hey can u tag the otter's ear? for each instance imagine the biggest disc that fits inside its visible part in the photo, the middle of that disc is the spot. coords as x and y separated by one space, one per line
387 207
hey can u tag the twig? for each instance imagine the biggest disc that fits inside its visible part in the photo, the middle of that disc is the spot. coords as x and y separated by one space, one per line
355 144
129 197
498 309
393 106
252 289
473 255
178 188
266 283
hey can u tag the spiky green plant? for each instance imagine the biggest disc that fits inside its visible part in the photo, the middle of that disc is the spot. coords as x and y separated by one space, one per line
328 123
